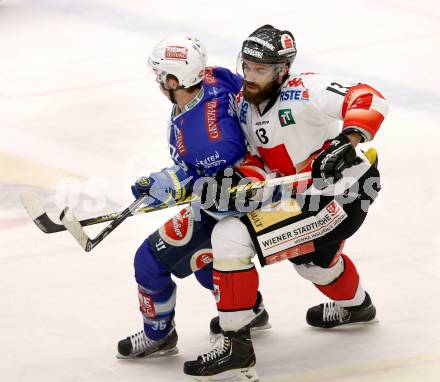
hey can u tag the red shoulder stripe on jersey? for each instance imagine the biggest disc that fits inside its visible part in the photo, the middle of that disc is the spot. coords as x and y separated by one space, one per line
357 110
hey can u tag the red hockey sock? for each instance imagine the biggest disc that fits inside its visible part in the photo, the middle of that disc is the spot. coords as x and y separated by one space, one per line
345 286
236 290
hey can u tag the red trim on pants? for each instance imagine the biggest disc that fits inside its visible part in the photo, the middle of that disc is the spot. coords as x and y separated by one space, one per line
235 290
345 286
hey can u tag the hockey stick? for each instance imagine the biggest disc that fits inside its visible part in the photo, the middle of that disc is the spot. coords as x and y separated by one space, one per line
39 216
74 226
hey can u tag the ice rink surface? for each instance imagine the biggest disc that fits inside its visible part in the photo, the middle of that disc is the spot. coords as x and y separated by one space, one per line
79 114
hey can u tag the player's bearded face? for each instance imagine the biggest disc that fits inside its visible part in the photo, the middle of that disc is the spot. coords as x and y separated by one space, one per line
261 81
257 93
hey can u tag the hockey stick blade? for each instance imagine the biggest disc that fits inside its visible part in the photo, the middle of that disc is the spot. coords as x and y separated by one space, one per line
39 216
72 224
37 213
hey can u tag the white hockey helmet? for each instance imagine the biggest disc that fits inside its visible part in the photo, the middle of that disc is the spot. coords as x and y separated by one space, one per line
183 57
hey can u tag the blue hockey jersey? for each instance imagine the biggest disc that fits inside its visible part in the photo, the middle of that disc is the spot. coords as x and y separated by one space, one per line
206 136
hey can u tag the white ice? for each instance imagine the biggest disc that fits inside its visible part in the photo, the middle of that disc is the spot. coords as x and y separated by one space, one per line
77 110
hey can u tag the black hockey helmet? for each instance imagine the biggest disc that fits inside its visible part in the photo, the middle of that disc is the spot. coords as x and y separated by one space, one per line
268 45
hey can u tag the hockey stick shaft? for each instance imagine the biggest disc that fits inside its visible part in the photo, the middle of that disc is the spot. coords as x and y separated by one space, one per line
41 219
39 216
74 227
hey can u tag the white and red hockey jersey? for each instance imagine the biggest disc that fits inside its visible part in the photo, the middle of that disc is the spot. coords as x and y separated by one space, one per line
289 132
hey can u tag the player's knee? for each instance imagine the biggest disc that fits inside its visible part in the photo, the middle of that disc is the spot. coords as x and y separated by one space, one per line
319 275
149 273
204 276
230 238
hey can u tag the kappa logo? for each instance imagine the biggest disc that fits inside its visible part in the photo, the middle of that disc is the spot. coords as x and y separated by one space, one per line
176 53
178 231
296 83
286 117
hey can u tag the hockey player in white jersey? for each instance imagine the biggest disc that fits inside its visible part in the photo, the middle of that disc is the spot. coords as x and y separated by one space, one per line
295 123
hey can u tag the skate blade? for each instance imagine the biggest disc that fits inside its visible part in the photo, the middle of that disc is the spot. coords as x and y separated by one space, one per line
351 326
262 327
156 354
358 324
214 337
247 374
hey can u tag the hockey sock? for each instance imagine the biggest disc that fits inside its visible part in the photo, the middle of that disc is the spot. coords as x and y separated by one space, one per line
157 308
236 293
346 290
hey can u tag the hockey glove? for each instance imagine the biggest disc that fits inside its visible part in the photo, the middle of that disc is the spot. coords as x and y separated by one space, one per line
223 194
162 186
328 166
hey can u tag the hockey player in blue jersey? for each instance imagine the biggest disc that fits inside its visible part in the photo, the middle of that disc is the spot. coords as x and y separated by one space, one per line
204 138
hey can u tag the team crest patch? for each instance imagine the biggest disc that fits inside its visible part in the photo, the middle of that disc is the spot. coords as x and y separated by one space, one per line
286 41
201 258
178 230
286 117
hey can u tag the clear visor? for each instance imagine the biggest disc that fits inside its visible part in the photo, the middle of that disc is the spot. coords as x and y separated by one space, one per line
257 72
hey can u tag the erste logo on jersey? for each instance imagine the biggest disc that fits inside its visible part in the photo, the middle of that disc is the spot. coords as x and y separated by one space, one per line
176 53
294 95
178 230
243 111
211 115
301 94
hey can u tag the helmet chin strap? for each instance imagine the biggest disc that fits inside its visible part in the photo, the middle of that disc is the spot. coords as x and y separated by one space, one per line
171 92
172 96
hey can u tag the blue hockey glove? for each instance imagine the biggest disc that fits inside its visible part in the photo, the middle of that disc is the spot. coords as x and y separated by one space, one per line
162 187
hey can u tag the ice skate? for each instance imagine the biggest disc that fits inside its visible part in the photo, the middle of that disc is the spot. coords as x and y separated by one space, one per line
140 346
260 322
330 314
233 359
